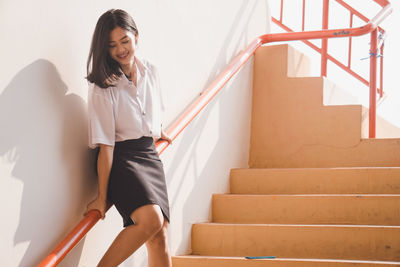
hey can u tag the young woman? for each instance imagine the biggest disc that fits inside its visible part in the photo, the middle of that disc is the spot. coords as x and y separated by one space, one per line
124 106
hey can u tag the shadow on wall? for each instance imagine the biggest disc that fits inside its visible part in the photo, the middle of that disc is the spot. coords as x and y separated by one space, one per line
44 132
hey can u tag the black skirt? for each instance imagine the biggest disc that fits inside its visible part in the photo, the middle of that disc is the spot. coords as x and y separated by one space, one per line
137 178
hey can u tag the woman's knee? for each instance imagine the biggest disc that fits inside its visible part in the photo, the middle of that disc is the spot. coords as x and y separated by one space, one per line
159 240
154 226
148 217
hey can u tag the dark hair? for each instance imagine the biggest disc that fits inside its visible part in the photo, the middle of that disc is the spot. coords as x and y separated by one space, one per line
101 68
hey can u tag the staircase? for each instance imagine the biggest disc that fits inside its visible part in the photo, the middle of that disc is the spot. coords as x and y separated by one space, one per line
316 193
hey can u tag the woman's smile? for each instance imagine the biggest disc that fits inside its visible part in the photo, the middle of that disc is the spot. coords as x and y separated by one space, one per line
124 55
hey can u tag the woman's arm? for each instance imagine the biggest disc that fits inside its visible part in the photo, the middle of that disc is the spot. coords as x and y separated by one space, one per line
104 163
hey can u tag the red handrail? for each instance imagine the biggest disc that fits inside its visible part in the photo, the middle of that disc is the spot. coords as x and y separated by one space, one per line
191 112
323 50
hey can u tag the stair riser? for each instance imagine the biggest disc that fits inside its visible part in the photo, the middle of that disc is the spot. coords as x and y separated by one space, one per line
316 181
365 210
212 262
319 242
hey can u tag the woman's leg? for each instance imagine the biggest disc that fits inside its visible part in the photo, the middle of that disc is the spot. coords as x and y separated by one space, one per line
157 248
148 221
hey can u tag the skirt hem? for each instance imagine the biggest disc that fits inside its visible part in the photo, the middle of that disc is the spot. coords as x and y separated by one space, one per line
128 221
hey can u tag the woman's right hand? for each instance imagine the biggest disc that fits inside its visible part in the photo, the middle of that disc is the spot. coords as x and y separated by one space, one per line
97 204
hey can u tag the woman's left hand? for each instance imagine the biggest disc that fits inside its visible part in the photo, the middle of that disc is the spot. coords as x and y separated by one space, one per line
97 204
165 137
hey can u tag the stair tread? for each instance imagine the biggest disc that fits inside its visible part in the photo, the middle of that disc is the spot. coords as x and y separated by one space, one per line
355 242
305 195
349 209
289 259
299 181
302 225
324 168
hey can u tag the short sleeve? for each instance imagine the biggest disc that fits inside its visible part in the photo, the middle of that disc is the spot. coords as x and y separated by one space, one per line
100 117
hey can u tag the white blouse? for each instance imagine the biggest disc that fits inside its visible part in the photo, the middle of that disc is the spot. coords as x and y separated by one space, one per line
125 111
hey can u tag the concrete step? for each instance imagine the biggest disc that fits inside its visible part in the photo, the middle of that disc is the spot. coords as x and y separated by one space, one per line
307 209
368 180
210 261
376 243
290 127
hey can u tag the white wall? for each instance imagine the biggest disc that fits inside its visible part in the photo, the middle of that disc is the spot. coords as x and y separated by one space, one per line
46 170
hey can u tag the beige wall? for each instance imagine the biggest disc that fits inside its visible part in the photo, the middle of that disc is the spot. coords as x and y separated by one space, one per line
46 176
292 129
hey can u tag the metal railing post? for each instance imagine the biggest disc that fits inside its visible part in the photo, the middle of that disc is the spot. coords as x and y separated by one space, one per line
324 45
372 84
303 16
381 74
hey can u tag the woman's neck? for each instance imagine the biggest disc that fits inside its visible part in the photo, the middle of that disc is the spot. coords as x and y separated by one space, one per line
127 68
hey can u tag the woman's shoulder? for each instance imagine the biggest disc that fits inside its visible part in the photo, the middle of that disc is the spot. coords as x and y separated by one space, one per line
96 90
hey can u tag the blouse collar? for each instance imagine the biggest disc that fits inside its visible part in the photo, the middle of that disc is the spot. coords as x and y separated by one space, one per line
141 67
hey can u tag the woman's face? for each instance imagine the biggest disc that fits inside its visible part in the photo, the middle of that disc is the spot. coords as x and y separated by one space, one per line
122 46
